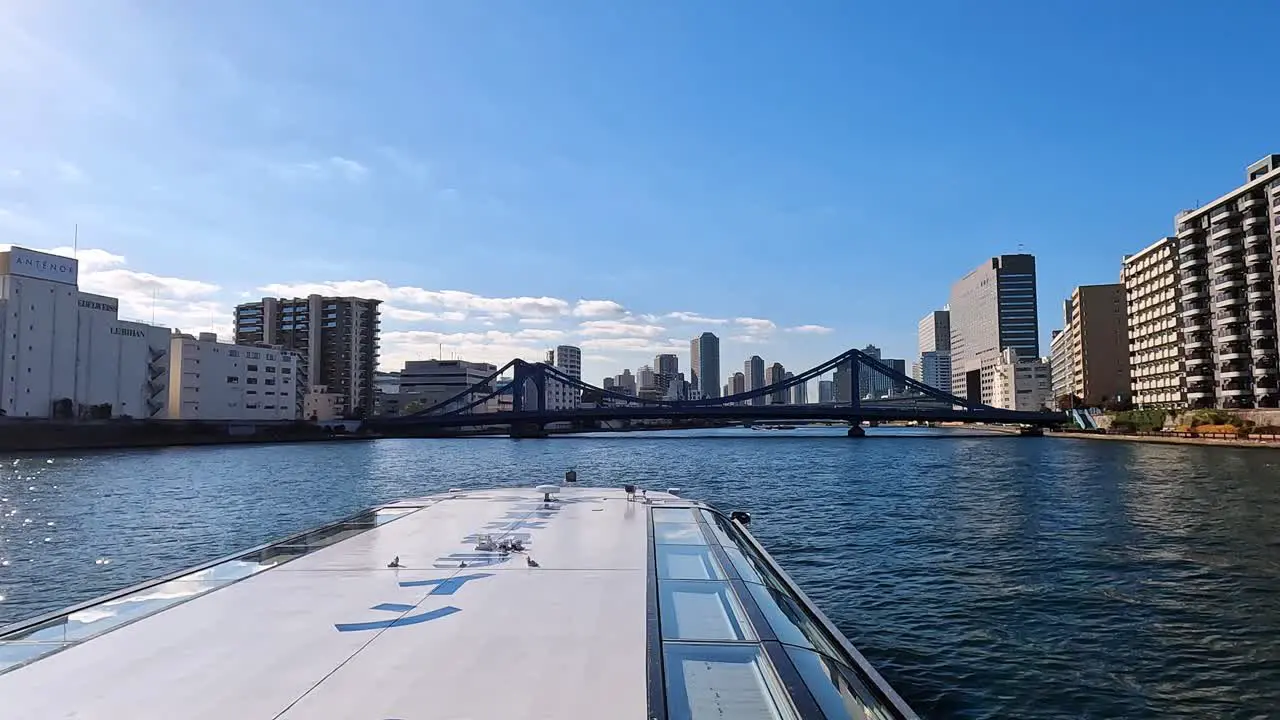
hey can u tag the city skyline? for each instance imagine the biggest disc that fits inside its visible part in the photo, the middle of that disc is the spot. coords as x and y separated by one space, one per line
265 182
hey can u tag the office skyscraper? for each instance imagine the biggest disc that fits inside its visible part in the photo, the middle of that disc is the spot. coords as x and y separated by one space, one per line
992 308
934 347
704 364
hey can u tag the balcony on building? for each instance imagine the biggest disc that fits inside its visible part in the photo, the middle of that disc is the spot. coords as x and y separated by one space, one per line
1235 332
1228 244
1202 371
1229 263
1226 282
1198 340
1194 308
1222 213
1264 328
1223 232
1252 199
1232 351
1259 273
1236 368
1190 262
1189 229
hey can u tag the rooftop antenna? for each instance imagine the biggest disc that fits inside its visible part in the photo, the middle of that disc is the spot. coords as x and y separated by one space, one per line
153 306
75 242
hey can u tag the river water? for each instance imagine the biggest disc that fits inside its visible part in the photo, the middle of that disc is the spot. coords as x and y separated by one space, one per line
984 576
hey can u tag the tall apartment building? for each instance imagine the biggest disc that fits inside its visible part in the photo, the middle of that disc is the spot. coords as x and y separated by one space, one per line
1150 276
704 364
209 380
753 370
737 383
337 338
1228 295
1060 371
992 308
799 393
568 360
933 339
66 353
1098 341
775 373
826 391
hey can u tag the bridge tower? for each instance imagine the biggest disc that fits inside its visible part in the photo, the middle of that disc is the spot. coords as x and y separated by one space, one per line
855 398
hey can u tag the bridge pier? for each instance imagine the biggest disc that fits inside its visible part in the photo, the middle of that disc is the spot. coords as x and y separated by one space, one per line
1031 432
855 428
528 431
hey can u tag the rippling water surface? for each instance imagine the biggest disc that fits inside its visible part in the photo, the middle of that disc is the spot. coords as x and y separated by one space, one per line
985 576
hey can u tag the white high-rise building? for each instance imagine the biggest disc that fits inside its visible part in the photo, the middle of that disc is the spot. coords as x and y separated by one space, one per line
66 353
209 380
568 360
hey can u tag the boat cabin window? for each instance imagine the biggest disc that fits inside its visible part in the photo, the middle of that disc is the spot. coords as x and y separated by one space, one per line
722 681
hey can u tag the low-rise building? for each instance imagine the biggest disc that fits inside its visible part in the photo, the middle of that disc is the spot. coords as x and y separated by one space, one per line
1021 384
66 353
210 380
427 383
322 405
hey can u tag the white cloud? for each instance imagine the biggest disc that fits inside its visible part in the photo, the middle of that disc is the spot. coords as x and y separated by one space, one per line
810 329
492 346
634 344
694 318
350 169
620 328
407 315
756 325
70 173
536 321
544 307
335 167
598 309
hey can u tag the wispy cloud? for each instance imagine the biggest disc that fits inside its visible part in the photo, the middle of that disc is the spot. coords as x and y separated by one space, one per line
695 318
333 168
598 308
404 163
810 329
619 328
544 307
70 173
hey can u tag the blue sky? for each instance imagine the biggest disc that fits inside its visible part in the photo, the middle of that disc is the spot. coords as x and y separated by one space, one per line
827 166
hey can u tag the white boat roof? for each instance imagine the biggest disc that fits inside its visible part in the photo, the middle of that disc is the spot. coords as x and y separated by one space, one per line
630 609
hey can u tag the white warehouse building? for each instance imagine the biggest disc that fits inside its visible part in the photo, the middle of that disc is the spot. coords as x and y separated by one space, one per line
209 380
66 353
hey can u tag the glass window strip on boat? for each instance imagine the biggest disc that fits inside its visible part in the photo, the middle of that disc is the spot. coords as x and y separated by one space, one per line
24 642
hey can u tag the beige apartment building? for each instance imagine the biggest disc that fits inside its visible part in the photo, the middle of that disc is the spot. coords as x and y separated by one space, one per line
1095 342
1228 295
1150 278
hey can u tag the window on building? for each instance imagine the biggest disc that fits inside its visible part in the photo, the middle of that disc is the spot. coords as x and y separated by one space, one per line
252 368
251 381
269 381
233 379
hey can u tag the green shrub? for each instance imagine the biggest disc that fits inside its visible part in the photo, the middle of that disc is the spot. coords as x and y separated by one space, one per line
1138 420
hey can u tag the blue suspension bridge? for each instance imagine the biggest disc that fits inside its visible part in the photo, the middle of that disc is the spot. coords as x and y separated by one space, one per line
520 405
